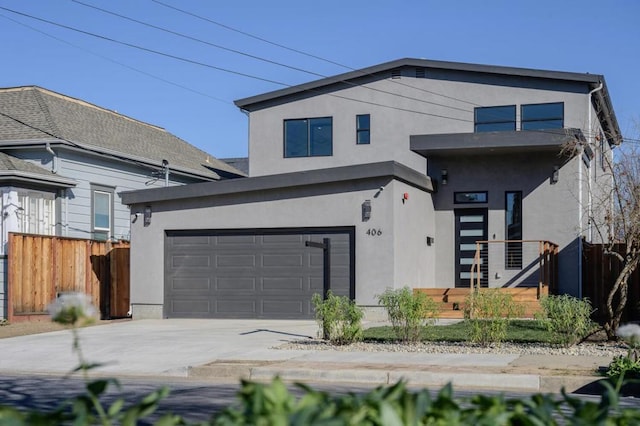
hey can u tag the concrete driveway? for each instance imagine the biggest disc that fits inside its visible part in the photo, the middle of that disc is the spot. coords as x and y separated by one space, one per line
153 347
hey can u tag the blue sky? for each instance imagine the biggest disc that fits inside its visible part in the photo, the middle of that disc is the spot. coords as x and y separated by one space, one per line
196 102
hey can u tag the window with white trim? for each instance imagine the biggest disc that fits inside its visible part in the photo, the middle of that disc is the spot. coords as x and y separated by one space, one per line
101 212
37 212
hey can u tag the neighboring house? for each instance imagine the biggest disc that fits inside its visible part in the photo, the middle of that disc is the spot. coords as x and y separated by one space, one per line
401 167
63 162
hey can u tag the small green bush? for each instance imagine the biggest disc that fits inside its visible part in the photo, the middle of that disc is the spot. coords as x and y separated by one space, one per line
273 404
567 318
488 313
339 318
408 312
623 367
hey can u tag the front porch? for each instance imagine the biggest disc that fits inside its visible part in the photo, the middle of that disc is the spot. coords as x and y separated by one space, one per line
530 268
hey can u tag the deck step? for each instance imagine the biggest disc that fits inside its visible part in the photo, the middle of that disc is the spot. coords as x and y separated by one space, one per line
451 301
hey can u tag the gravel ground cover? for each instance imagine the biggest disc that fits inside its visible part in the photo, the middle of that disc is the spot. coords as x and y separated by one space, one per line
586 348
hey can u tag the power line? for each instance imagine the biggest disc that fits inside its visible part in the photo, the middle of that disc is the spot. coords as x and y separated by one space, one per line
259 58
147 74
194 62
156 52
264 40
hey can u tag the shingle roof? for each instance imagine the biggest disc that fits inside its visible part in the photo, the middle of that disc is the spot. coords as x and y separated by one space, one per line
15 168
43 114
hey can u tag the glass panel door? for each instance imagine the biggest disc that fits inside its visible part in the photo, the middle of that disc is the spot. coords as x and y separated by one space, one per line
471 226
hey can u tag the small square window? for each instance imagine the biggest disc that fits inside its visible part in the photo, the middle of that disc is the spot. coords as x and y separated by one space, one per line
542 116
363 129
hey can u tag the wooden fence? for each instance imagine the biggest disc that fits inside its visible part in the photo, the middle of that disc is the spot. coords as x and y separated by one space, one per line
41 267
599 273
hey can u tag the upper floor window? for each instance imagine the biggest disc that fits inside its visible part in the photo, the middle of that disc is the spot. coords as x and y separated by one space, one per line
363 129
308 137
495 119
102 212
542 116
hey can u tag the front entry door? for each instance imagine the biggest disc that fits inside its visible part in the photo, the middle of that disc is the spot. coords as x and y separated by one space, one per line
471 226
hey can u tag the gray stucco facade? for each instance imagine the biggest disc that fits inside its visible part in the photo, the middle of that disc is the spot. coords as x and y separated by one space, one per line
422 153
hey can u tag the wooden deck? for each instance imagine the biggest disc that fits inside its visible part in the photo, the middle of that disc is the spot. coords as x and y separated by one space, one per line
452 300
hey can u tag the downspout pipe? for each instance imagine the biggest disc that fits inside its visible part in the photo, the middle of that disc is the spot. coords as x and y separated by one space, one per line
590 139
54 160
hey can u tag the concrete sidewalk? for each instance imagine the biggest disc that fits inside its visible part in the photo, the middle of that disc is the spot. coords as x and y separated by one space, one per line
233 349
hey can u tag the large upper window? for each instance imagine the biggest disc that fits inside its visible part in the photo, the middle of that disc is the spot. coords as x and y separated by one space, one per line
495 119
363 129
513 224
542 116
309 137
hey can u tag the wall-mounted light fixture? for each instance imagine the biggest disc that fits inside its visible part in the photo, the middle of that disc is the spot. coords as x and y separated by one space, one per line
555 175
430 241
147 216
444 176
366 210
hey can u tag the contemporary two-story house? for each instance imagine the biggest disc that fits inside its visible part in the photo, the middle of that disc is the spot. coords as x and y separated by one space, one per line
381 178
63 162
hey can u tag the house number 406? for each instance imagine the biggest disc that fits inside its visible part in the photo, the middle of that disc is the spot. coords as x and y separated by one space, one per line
374 232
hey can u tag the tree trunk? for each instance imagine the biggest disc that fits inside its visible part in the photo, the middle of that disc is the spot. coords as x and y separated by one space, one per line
614 314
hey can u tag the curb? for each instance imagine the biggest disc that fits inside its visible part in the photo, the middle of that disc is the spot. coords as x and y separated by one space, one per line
265 371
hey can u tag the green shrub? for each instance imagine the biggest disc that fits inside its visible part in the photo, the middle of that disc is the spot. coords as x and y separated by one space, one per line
273 404
339 318
623 367
488 312
567 318
408 312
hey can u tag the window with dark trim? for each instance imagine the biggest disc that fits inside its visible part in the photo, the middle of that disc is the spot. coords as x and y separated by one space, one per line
513 231
101 211
542 116
308 137
495 119
470 197
363 129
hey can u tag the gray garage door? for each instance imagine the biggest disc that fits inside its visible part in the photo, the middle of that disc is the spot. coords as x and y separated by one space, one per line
252 274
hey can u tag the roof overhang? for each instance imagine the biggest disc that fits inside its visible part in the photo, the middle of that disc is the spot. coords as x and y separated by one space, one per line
336 175
493 142
18 177
112 154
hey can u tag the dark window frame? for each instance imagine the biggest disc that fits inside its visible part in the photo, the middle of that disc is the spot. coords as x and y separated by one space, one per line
498 121
363 131
309 137
455 197
541 122
513 251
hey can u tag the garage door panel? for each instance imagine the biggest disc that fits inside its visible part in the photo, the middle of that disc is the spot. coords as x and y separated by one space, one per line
190 241
235 307
282 240
282 307
280 284
231 241
262 275
235 284
191 284
190 306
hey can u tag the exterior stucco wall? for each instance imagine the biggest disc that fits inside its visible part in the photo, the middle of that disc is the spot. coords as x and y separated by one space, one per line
318 206
550 211
415 109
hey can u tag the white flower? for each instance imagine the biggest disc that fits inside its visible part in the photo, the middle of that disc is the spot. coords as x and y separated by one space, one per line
71 307
630 333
